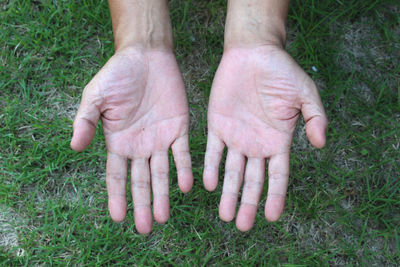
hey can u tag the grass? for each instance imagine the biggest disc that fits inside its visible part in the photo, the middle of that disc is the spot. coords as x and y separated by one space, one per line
343 204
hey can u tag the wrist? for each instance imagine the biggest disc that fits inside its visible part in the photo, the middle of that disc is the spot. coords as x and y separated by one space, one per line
141 24
253 23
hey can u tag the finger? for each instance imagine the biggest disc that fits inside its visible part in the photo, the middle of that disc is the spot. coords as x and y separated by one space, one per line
85 121
160 184
141 195
314 116
212 159
180 150
116 173
233 179
278 177
252 189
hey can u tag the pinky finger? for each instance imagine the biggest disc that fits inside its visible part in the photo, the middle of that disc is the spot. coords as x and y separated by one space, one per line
215 147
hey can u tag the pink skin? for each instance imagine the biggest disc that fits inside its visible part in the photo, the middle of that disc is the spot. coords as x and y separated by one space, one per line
140 97
257 96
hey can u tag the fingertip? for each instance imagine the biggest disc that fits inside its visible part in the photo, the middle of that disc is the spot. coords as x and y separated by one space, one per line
209 180
245 217
225 216
272 217
144 230
82 135
243 226
315 130
77 147
117 218
162 218
161 209
227 209
185 189
75 144
185 180
117 211
210 188
274 208
143 220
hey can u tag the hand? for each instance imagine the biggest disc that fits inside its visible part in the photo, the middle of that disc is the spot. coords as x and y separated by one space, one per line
256 98
140 97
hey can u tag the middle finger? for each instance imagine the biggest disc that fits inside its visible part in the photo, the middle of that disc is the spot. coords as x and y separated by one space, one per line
160 184
140 183
252 189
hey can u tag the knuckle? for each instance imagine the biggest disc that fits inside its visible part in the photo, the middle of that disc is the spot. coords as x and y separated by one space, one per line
160 171
250 202
252 186
277 176
210 168
211 160
230 193
276 195
183 162
141 184
115 176
233 174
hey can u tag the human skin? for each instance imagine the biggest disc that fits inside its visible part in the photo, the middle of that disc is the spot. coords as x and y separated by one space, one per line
257 96
140 98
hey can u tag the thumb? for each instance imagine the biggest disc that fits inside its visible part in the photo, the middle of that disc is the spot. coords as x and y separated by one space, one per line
314 116
85 121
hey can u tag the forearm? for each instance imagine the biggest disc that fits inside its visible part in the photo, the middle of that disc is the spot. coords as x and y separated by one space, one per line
141 23
256 22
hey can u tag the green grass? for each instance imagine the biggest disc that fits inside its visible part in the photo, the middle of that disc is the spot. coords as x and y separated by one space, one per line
343 204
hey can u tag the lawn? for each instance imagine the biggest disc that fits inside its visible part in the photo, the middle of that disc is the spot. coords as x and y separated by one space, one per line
343 202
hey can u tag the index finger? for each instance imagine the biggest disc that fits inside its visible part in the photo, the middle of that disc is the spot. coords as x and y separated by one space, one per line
183 162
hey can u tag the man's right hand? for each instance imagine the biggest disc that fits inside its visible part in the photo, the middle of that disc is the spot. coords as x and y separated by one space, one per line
140 97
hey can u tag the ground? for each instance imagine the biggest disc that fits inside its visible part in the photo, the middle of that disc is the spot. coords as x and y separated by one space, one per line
343 204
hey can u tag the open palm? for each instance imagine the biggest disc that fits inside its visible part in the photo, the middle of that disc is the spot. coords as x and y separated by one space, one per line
256 98
140 98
